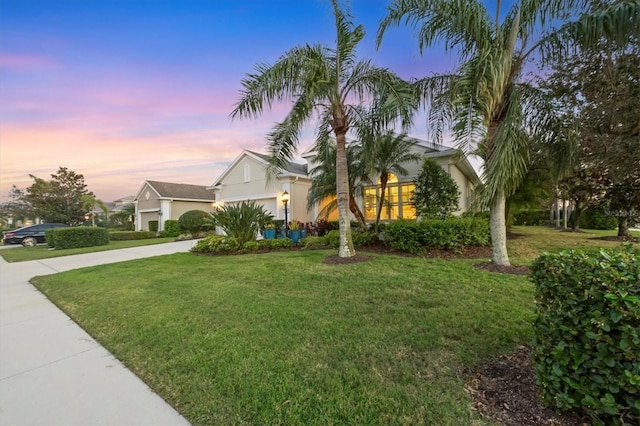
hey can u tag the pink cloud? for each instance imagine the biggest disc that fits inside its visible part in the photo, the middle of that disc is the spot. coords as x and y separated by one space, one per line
15 62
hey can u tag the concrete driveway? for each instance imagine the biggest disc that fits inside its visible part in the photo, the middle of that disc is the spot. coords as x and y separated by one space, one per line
51 371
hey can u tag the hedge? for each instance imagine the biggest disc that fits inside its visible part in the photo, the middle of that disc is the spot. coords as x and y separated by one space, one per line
171 228
131 235
449 234
222 244
532 217
587 332
75 237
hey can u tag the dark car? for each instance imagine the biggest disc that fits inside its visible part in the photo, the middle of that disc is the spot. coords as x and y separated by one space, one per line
29 236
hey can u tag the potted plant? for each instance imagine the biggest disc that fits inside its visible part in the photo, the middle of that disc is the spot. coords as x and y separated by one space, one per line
294 231
269 231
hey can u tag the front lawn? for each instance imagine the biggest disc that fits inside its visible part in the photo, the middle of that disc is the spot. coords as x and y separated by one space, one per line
282 338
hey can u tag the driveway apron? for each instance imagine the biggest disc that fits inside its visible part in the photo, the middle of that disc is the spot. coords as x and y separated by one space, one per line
51 371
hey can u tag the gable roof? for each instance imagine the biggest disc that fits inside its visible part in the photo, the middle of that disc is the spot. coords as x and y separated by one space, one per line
291 168
179 191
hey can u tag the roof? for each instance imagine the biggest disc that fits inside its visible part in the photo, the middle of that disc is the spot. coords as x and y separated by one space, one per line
291 168
181 191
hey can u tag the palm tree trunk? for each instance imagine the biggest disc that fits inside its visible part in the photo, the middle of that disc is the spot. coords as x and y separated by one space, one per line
342 188
353 207
499 231
383 186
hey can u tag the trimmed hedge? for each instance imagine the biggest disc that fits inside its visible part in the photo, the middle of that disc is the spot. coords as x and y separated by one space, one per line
75 237
587 332
597 218
171 228
153 225
131 235
449 234
229 245
194 221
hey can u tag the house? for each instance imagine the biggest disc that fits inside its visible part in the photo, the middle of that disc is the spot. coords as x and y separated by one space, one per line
400 188
247 179
161 201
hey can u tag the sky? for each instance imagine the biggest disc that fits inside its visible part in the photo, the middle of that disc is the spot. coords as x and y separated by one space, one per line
123 91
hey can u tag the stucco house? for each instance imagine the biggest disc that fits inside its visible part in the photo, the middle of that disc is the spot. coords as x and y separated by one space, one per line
164 200
247 178
400 188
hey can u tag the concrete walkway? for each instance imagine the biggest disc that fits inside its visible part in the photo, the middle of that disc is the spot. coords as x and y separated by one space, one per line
51 371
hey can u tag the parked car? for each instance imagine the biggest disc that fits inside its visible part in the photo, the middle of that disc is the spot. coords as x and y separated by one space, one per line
29 236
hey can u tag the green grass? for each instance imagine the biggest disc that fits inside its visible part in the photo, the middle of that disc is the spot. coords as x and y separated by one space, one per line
23 254
282 338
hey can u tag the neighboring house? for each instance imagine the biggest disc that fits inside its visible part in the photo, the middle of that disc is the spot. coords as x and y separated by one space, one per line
162 201
400 188
114 206
247 179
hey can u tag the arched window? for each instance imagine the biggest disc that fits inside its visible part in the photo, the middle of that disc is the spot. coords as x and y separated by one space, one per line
397 200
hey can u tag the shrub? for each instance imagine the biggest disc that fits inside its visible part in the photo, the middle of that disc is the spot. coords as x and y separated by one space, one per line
275 243
436 194
193 221
450 234
131 235
216 244
153 225
587 332
364 238
242 221
171 228
596 218
75 237
313 242
531 217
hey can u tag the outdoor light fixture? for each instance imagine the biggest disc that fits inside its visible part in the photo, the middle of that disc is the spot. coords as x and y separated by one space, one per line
285 200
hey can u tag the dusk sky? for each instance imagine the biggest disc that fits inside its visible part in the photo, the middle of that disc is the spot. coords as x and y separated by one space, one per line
124 91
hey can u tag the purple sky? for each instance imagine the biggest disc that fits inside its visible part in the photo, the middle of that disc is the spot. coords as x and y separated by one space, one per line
127 90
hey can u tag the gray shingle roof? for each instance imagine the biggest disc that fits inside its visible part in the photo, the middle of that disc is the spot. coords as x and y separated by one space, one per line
300 169
182 191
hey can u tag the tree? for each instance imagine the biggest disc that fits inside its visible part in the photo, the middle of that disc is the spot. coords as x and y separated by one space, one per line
89 203
60 199
385 154
17 208
486 100
436 194
334 84
125 217
323 184
600 90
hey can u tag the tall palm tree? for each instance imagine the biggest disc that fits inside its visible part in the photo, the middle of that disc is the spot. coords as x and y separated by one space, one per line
486 99
385 154
332 83
323 185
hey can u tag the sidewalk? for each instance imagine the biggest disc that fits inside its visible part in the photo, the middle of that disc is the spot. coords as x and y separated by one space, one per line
51 371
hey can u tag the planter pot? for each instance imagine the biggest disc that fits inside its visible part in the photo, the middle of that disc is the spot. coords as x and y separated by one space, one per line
303 233
295 236
269 233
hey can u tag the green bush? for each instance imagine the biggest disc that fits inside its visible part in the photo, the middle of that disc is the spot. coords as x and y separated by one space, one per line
451 233
131 235
275 243
194 221
242 221
531 217
153 225
216 244
596 218
75 237
587 332
313 242
171 228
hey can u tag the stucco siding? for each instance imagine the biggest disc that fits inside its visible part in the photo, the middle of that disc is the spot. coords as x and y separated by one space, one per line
178 208
462 182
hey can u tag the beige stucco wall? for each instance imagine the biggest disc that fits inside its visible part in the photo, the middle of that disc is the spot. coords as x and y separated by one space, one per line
145 203
463 186
178 208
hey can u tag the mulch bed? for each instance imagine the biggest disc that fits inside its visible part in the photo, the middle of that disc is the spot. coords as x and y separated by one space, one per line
630 239
512 269
504 391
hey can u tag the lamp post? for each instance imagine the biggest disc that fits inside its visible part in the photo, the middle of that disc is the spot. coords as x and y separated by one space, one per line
285 200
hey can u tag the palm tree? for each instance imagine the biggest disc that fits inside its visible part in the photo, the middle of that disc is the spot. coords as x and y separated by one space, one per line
333 84
385 154
89 203
486 99
323 185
